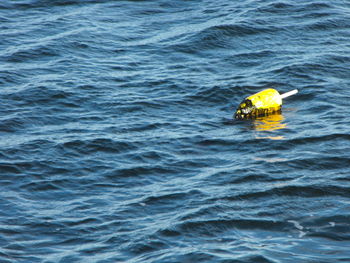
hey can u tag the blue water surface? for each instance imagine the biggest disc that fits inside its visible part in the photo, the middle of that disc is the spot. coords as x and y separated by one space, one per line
118 142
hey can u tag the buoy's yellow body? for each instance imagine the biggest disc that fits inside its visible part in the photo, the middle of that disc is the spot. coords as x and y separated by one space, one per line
263 103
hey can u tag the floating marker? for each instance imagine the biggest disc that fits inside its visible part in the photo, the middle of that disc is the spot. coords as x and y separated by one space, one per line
263 103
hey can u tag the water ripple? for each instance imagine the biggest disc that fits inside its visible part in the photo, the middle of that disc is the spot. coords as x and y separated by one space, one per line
118 142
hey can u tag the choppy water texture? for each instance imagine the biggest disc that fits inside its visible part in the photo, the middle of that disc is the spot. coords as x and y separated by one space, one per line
118 144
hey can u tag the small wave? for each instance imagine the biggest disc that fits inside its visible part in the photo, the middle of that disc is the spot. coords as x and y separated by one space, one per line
329 24
251 177
38 52
330 236
320 164
27 4
301 71
42 95
170 198
277 8
319 139
215 227
94 146
254 258
27 121
13 124
10 168
79 222
144 247
293 190
282 8
219 36
11 77
141 170
40 186
329 227
216 95
191 257
318 6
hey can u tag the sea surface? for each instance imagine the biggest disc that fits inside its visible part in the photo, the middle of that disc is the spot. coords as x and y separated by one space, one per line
117 141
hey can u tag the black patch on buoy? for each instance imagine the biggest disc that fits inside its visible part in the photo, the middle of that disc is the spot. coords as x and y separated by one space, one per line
246 110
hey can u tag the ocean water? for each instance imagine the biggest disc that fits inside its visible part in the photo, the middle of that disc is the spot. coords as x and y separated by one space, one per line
118 142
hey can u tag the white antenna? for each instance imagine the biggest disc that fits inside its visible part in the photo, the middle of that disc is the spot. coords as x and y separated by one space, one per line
289 93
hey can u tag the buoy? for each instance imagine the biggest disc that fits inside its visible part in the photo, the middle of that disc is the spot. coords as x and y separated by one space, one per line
263 103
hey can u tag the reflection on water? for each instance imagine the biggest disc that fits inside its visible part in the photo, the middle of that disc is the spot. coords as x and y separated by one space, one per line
269 123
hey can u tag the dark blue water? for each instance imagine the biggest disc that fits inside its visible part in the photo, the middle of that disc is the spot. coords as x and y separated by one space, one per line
118 144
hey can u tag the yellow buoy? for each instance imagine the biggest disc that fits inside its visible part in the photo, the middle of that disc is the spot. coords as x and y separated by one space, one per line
263 103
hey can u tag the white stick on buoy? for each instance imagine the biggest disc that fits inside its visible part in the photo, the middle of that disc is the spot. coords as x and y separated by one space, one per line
289 93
